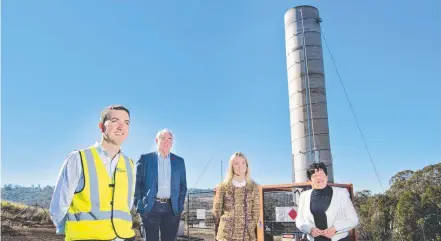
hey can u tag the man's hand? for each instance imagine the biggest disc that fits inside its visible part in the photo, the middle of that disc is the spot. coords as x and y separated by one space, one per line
329 232
315 232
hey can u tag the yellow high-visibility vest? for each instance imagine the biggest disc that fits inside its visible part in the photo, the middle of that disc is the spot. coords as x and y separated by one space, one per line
101 210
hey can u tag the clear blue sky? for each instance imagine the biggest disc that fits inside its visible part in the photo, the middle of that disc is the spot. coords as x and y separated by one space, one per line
214 72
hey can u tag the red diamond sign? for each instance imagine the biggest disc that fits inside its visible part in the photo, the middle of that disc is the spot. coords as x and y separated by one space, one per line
292 214
286 214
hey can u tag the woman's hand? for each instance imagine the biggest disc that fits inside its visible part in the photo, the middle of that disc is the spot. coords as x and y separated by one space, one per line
329 232
315 232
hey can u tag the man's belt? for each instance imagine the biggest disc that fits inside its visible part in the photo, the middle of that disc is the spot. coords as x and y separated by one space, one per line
163 200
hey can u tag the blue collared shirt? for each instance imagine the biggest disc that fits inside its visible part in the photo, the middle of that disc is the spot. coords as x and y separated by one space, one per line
71 179
164 176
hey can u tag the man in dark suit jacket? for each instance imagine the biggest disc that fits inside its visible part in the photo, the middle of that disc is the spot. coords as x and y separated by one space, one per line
161 186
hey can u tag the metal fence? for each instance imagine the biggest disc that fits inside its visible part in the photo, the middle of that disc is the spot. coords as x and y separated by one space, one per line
198 217
199 222
279 212
277 221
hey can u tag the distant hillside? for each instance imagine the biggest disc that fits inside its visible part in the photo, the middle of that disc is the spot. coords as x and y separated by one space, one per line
42 196
197 190
28 195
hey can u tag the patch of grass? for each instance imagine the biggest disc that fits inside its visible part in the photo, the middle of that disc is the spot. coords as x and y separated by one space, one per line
24 214
21 212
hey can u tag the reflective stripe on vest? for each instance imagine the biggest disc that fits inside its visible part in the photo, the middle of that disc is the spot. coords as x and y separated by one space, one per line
101 210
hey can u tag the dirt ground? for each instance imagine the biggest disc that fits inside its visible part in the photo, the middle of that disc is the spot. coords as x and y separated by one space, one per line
32 232
23 233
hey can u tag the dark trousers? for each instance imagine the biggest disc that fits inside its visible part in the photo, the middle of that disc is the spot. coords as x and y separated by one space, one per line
160 218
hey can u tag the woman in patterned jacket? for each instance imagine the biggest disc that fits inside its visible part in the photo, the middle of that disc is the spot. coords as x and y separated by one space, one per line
237 202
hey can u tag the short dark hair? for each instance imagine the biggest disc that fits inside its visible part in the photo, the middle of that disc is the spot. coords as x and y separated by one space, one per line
316 167
105 112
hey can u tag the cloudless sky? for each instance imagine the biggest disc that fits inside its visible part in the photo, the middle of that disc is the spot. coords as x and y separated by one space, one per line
214 72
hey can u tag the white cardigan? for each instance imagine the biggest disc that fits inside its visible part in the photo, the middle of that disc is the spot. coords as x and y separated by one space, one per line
340 214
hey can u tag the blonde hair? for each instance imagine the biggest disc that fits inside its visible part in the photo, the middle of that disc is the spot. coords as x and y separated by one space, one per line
230 170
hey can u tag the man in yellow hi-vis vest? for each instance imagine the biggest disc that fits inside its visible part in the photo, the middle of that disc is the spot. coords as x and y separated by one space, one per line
94 191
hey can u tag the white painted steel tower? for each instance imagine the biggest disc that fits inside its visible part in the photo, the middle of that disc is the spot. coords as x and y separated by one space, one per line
307 94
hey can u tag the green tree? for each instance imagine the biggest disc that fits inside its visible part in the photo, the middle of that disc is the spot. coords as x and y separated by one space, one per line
363 206
407 214
382 217
431 203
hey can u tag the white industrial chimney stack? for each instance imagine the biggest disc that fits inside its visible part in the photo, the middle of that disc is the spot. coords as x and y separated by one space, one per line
307 93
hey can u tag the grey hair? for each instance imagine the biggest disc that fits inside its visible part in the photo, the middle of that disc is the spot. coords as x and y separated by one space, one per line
162 132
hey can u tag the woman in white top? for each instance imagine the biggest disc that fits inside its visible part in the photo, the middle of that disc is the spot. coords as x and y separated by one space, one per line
325 213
